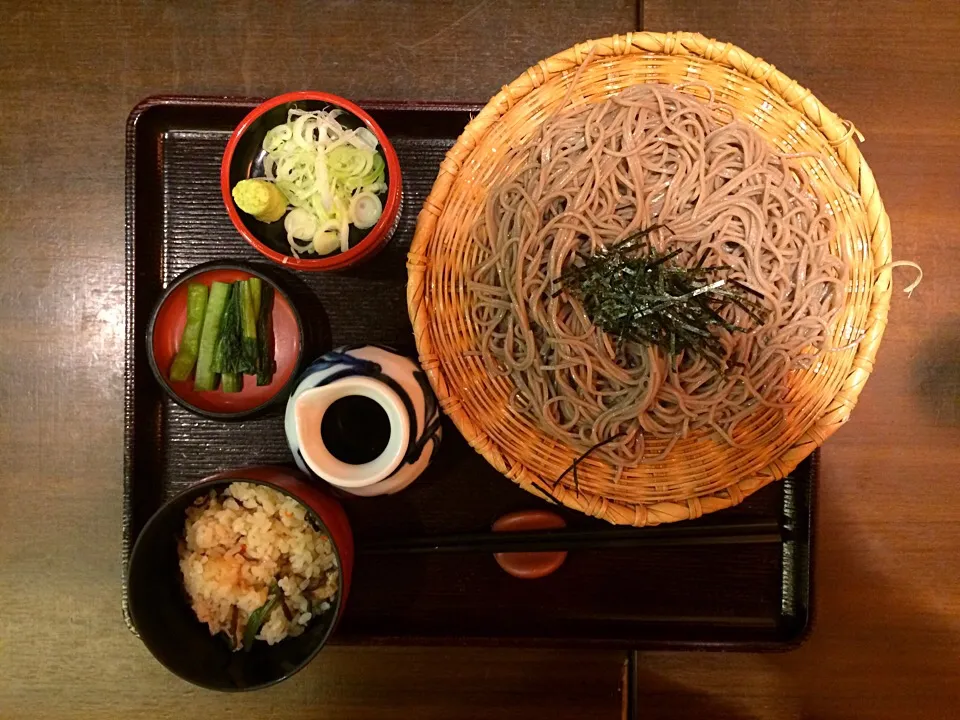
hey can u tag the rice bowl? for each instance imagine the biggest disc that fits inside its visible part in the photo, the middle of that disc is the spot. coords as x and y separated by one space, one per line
254 566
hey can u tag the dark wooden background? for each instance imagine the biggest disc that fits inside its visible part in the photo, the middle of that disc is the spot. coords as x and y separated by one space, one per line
886 641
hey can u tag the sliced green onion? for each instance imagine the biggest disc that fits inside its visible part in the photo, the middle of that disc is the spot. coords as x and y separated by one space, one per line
327 239
328 171
343 219
348 164
276 137
300 224
365 137
365 210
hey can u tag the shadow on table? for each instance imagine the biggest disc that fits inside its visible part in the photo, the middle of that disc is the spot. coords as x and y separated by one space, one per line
663 698
936 373
876 650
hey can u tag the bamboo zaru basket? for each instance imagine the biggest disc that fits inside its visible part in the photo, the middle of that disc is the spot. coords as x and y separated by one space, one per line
700 474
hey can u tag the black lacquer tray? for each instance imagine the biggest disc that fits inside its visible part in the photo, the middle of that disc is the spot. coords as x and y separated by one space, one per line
715 591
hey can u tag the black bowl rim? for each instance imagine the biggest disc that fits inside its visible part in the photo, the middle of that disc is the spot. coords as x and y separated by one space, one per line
202 487
179 280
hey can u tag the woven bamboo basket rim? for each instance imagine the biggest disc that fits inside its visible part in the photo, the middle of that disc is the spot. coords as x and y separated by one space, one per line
670 58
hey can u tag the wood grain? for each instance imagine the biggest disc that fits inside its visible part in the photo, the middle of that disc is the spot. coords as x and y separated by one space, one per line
886 638
69 75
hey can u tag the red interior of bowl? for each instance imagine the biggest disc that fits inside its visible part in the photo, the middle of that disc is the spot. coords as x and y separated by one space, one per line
168 327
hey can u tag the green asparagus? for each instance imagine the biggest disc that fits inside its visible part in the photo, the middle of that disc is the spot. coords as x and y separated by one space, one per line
249 327
206 378
190 340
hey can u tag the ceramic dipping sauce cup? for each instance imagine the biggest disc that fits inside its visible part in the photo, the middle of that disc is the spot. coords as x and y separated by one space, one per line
363 419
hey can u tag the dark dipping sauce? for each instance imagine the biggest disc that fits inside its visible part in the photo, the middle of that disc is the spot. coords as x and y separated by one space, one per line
355 429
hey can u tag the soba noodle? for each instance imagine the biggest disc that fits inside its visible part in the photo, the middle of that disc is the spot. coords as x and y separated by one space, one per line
592 176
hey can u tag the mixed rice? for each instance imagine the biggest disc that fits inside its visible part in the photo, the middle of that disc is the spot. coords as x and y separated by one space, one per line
249 552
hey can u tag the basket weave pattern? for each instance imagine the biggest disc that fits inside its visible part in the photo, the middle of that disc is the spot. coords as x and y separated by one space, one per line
701 474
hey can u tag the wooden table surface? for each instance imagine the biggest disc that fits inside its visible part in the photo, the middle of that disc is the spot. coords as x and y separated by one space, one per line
886 641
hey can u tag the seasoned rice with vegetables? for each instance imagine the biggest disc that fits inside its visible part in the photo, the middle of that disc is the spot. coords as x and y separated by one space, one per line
254 566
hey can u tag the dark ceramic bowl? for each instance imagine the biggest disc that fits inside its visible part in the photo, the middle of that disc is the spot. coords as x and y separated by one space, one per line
166 623
244 157
163 339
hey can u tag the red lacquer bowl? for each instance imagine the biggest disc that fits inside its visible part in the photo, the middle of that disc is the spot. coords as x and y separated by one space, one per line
166 623
163 340
243 159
